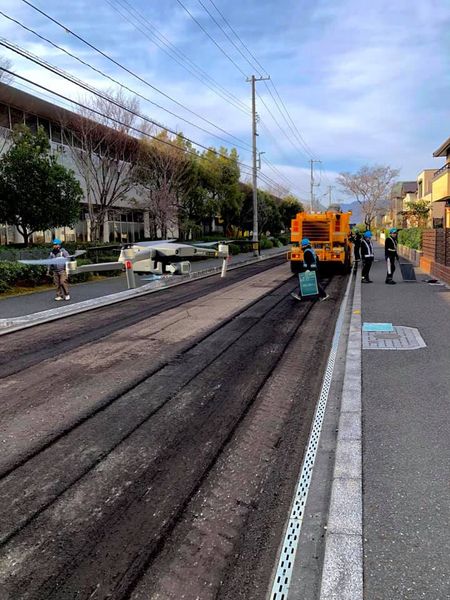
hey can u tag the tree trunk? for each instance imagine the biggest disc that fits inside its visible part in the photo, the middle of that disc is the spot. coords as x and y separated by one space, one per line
25 234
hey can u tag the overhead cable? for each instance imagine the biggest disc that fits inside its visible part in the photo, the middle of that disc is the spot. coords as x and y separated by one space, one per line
152 33
124 68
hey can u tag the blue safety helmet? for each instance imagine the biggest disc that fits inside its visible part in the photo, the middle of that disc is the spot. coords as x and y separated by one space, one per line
393 230
57 242
305 242
367 234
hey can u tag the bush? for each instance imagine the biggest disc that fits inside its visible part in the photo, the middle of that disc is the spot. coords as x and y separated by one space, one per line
284 239
266 244
234 249
411 238
14 274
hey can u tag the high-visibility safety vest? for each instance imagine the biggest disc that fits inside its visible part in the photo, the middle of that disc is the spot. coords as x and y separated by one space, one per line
314 264
369 247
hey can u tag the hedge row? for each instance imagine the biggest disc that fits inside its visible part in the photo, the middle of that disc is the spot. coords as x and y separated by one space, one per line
411 238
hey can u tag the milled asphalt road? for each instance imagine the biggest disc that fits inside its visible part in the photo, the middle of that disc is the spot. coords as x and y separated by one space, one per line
406 444
17 306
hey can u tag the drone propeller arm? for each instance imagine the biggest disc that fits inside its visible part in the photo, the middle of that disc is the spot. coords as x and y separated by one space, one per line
73 268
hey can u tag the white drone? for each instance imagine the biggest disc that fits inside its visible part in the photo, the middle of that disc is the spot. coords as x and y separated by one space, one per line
165 257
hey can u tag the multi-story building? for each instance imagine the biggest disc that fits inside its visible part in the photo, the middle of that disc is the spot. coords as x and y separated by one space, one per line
125 222
402 193
441 186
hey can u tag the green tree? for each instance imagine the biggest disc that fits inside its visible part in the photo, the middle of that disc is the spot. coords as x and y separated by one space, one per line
289 207
36 193
221 182
417 212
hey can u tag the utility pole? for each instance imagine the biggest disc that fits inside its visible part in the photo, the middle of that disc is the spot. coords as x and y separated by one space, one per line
312 184
253 81
330 187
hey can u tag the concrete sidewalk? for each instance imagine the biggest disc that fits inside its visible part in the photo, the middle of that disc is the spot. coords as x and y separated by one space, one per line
406 442
18 306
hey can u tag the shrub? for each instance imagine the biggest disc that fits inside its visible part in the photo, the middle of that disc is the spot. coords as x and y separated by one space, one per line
266 244
14 273
234 249
411 238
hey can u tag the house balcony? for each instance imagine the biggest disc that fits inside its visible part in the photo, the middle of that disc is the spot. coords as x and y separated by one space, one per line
441 183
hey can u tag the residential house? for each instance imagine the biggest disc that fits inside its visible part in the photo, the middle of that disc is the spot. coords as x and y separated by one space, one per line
441 186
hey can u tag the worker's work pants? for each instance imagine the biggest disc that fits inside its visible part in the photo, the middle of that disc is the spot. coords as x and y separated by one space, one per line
61 281
366 266
390 262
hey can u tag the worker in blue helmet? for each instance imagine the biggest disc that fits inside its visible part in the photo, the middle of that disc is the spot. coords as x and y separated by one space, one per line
310 263
366 256
391 255
58 271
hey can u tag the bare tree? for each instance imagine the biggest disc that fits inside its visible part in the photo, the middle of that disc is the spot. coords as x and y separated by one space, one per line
105 153
371 187
165 174
4 76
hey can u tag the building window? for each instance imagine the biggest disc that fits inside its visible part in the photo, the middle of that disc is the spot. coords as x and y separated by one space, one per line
4 117
45 124
56 133
31 122
16 116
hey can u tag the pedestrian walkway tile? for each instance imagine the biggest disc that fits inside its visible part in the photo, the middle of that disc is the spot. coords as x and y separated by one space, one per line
400 338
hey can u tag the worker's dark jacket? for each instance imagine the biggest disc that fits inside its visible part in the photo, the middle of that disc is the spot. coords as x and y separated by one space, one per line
366 249
390 248
309 259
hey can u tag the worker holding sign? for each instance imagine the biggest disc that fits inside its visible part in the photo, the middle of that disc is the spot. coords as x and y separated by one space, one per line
308 279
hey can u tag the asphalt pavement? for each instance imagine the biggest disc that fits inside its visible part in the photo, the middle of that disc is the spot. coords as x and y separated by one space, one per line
26 304
406 444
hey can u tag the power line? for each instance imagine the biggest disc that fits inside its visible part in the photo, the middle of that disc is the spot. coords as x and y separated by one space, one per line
226 35
291 124
125 87
61 73
97 112
306 152
280 127
160 40
126 69
289 121
211 38
264 72
283 116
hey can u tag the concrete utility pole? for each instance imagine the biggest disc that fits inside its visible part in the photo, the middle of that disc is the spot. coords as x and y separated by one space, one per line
330 188
312 184
253 81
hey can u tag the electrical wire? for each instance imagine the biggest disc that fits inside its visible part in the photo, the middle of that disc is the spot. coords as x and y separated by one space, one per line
290 122
263 70
125 87
226 34
160 40
211 38
61 73
247 169
123 67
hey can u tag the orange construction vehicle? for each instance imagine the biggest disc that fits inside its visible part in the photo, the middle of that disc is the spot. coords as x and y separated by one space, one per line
328 233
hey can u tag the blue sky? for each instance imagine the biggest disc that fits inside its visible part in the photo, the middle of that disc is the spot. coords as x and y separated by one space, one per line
364 82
